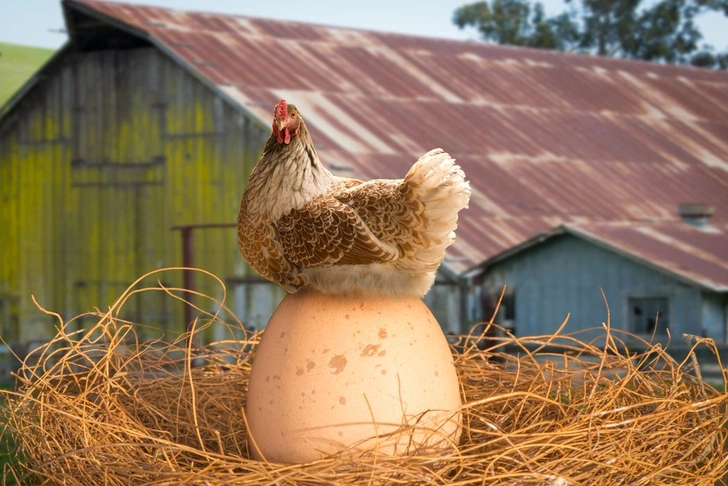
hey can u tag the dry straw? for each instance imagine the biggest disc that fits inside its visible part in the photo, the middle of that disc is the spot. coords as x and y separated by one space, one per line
99 407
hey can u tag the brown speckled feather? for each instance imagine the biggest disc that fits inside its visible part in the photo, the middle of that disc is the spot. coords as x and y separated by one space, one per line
327 232
386 210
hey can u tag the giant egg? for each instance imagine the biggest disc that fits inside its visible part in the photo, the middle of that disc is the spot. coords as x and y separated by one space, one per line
352 375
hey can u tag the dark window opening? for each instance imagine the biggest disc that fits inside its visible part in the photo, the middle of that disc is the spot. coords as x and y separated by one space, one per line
649 315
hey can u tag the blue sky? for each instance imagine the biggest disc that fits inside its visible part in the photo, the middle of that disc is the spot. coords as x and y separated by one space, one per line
38 22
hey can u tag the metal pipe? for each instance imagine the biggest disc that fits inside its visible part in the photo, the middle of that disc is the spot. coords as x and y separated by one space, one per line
188 279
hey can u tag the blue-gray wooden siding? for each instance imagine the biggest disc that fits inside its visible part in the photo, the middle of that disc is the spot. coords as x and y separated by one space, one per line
564 275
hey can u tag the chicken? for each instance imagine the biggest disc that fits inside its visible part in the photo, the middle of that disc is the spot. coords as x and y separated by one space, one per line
299 225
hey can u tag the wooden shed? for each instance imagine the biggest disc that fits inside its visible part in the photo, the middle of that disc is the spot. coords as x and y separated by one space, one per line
659 281
135 141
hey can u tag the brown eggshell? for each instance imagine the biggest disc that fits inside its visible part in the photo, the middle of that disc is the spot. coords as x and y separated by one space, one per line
351 374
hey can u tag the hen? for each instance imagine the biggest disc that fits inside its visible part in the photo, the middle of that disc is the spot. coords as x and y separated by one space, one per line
299 225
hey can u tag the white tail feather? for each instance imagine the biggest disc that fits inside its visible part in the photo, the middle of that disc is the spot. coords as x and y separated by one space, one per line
440 185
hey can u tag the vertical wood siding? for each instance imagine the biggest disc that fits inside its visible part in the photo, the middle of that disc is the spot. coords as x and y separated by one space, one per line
97 163
564 276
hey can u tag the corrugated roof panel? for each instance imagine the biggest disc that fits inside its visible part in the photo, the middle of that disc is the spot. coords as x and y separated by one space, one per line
290 30
700 255
687 99
374 74
719 131
711 241
697 139
544 137
479 238
208 22
502 192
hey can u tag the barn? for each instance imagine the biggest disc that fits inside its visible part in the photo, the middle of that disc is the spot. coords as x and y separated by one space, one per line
129 150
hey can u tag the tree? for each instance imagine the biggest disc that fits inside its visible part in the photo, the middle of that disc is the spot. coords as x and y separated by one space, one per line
662 31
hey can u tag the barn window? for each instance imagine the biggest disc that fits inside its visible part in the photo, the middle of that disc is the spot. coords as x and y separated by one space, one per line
649 315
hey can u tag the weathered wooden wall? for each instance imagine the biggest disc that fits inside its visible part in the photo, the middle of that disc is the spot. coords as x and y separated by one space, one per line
564 276
108 152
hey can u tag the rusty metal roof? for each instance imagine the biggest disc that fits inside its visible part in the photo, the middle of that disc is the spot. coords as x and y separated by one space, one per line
546 138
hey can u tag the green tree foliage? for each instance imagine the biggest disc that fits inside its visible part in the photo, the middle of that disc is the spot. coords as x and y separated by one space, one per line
660 31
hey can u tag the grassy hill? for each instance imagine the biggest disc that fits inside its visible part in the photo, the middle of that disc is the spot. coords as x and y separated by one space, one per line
17 64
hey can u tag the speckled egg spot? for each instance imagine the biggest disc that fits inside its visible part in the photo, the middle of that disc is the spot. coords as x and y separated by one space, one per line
338 363
383 352
370 349
299 371
342 400
382 333
310 365
384 372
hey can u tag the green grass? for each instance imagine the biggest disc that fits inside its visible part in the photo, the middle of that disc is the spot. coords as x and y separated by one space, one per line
8 446
17 64
7 457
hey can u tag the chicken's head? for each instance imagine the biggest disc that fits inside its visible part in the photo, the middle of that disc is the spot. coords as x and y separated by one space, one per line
286 122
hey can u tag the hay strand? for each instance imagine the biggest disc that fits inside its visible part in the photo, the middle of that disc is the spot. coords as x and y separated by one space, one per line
98 406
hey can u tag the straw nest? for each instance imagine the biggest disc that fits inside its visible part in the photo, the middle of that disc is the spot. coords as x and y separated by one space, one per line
99 407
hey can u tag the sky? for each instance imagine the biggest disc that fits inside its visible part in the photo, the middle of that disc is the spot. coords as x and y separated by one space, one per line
40 22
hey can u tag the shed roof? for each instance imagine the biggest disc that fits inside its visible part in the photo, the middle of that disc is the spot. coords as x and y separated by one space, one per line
546 138
696 255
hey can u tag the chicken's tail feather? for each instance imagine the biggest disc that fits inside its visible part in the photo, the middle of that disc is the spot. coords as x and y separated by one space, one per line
439 185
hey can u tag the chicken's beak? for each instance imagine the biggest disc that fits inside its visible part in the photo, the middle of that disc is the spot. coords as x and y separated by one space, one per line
280 124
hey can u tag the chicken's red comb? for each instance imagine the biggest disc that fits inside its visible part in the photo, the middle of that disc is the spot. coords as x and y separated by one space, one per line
281 111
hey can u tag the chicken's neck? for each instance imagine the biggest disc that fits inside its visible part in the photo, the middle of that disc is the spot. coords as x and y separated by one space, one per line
286 177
